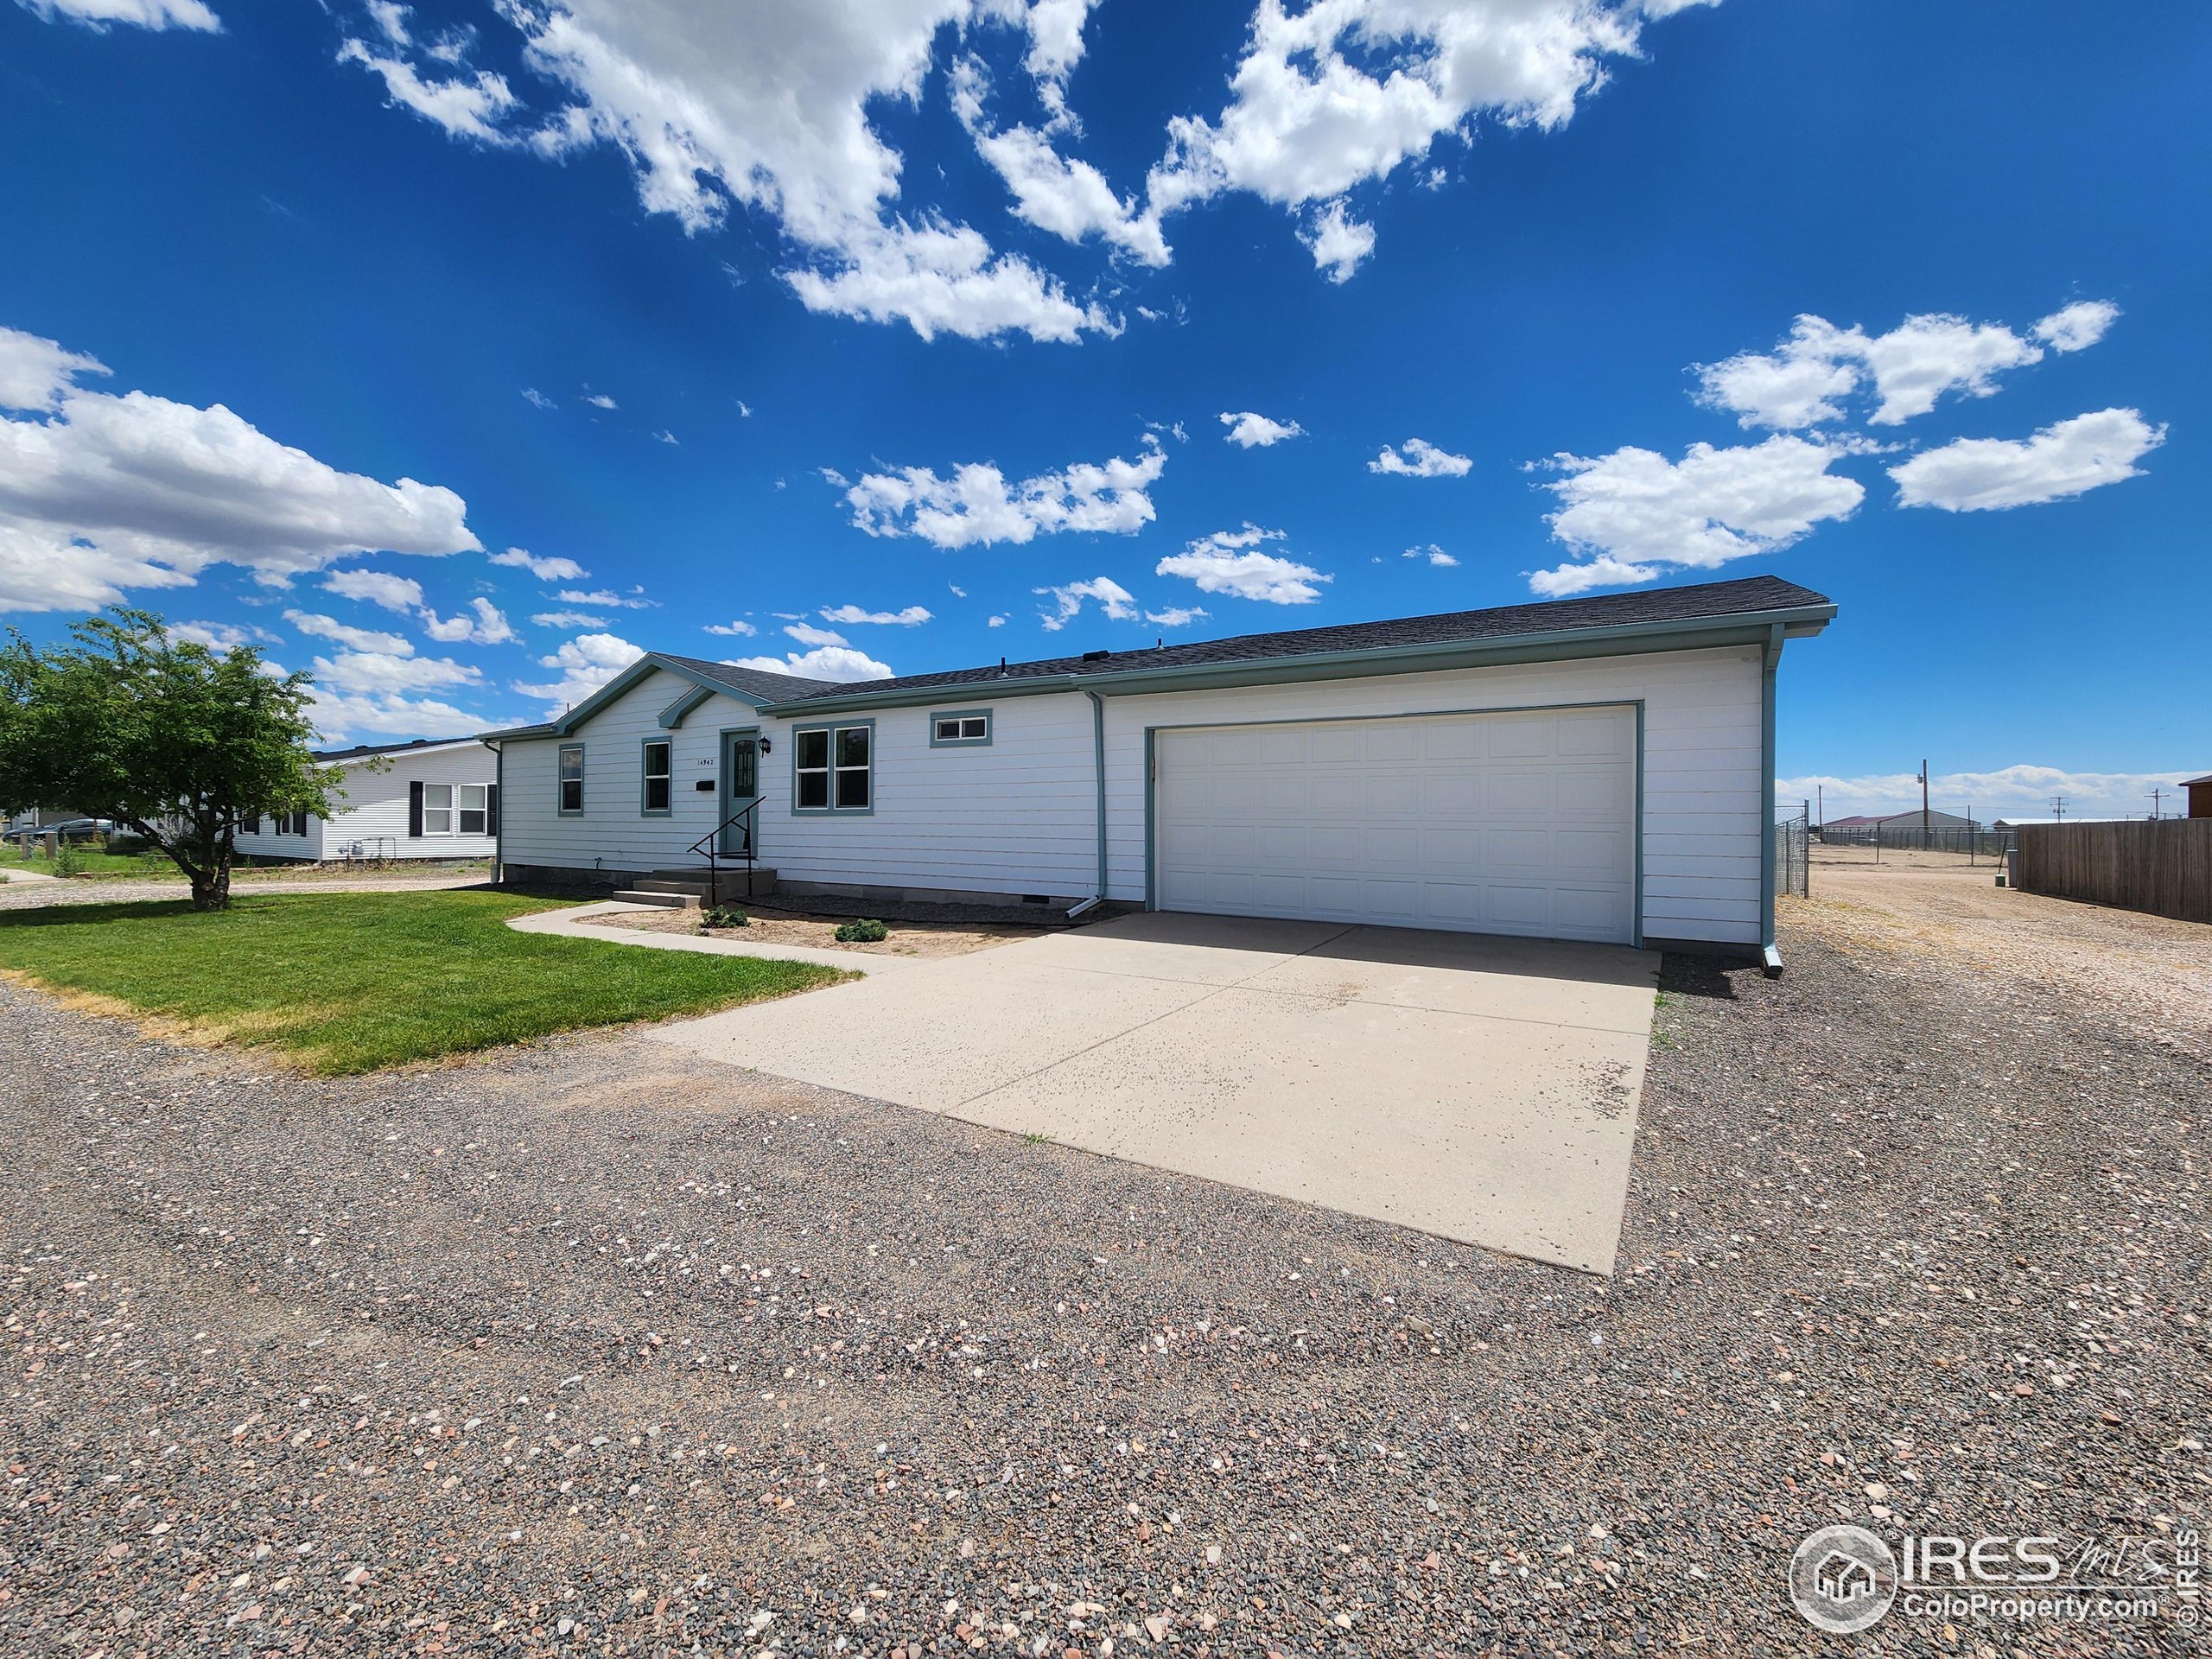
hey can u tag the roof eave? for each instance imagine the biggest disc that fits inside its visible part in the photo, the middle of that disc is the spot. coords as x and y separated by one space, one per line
1686 633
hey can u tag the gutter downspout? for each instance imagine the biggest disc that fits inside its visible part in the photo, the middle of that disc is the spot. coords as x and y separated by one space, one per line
1770 955
499 832
1098 760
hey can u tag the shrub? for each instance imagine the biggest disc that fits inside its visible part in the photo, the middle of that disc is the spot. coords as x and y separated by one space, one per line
724 916
863 931
126 844
67 860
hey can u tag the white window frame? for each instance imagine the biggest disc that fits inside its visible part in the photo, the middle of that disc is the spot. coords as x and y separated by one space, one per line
561 780
832 771
961 728
449 812
647 777
462 809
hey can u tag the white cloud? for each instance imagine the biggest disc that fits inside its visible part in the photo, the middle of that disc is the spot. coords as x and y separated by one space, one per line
468 106
2016 792
141 14
977 505
1337 244
601 400
2076 327
1342 91
391 18
317 627
995 622
575 619
766 105
538 397
635 599
664 436
1118 603
740 629
1068 197
1981 475
841 664
376 587
1230 561
586 662
552 569
1639 513
1421 458
1804 380
488 625
854 616
1176 616
223 636
385 671
1249 429
1435 555
342 718
807 634
99 492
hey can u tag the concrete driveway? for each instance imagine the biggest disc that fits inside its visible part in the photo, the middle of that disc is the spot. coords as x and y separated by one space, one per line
1481 1088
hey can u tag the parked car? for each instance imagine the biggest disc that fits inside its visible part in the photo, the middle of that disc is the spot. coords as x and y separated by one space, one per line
80 828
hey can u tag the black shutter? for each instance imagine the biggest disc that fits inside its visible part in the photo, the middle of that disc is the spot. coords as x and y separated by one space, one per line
414 808
252 825
491 808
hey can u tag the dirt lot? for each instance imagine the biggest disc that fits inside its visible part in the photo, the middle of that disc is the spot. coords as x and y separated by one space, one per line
581 1348
951 936
2152 974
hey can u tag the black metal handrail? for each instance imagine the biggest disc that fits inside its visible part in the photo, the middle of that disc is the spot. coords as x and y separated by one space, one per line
710 844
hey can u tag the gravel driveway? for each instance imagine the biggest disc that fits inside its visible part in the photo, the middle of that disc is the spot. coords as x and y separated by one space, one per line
586 1348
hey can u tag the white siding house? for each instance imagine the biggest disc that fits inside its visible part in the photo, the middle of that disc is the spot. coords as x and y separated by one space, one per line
401 800
1599 769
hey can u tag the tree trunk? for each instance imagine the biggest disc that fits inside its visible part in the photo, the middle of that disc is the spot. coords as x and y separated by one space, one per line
211 888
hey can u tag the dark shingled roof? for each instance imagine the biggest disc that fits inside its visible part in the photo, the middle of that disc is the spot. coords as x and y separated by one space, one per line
362 752
1748 596
753 682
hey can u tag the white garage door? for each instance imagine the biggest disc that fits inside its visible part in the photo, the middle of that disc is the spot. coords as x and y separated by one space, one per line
1519 823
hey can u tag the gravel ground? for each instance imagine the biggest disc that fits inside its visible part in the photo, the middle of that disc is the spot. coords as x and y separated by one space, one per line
583 1348
2152 973
28 895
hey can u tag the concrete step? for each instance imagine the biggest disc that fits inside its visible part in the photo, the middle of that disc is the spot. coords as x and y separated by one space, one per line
665 900
693 884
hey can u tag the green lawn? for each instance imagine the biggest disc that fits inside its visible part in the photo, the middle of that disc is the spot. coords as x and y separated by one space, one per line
350 981
90 861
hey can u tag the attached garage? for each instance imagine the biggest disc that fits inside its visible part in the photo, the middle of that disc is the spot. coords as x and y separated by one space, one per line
1519 821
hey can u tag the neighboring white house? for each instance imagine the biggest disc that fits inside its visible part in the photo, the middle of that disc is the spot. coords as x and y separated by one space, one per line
1596 769
425 799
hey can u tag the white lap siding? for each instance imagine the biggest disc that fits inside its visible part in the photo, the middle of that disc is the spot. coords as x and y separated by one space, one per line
613 832
1702 762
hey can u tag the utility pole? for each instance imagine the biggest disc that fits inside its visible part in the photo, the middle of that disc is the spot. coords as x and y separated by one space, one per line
2157 807
1923 806
1820 798
2058 808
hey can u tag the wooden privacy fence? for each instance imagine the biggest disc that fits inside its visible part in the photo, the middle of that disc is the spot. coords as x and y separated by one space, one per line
2160 865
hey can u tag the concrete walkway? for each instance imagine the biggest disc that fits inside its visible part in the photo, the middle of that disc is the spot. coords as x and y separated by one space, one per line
573 922
1481 1088
26 875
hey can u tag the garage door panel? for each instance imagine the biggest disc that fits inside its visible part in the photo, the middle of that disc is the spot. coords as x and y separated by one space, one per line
1517 824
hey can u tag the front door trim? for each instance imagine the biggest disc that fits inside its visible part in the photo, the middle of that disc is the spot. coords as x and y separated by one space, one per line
729 843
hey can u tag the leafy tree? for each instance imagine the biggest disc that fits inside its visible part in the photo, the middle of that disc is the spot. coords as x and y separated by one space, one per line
176 740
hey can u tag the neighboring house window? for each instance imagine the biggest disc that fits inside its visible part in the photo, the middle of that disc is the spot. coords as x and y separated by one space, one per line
437 808
963 729
572 778
833 768
251 826
293 823
475 809
655 801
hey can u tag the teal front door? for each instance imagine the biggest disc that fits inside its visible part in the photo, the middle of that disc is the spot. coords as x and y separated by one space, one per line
741 773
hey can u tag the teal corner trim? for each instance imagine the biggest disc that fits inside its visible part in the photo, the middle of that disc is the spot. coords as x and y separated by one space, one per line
1773 661
1637 922
499 822
1098 756
1151 887
674 715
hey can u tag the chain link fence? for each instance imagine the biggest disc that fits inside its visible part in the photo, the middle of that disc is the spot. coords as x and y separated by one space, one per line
1793 855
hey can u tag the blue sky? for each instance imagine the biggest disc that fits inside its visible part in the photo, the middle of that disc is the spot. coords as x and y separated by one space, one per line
845 326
